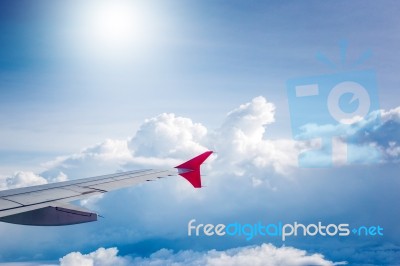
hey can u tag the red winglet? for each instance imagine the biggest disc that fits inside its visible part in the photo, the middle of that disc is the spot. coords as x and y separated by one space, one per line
191 169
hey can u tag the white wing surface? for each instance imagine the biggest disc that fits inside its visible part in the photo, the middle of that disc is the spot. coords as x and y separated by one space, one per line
47 205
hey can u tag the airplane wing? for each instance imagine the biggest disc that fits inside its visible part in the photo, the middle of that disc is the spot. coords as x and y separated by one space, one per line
47 205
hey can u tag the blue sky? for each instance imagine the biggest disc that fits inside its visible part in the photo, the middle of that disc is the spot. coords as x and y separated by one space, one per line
82 94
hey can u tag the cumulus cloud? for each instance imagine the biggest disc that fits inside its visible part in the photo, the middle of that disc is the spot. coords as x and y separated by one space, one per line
265 254
23 179
100 257
241 142
249 120
107 156
382 129
372 139
167 135
167 139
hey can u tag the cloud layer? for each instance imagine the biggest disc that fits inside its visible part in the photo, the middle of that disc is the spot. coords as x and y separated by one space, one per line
374 139
241 143
100 257
167 139
252 178
265 254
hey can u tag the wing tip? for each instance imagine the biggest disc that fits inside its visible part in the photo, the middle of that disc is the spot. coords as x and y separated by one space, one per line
190 170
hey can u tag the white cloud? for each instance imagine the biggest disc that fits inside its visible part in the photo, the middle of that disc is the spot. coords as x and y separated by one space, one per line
105 157
167 139
265 254
167 135
243 147
109 150
368 140
392 114
393 149
100 257
23 179
249 119
242 144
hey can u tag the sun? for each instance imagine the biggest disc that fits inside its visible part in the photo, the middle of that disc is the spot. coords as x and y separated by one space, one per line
105 33
114 23
110 27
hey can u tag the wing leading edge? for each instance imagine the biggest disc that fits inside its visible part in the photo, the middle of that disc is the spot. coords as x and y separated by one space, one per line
47 205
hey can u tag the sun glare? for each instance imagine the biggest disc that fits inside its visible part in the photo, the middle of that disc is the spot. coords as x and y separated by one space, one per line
114 23
113 28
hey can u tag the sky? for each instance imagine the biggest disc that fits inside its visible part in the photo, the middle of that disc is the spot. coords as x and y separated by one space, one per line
94 87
